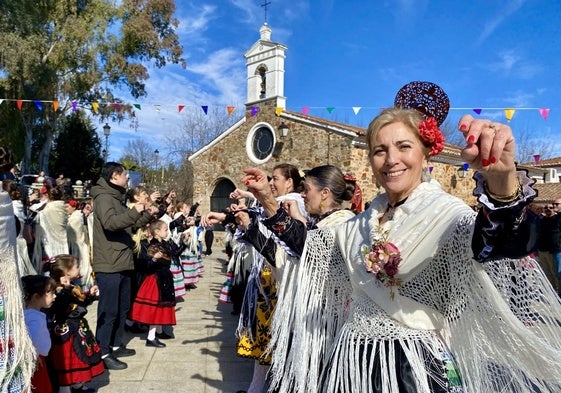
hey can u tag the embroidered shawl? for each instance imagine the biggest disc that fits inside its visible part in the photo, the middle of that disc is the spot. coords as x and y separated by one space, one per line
500 320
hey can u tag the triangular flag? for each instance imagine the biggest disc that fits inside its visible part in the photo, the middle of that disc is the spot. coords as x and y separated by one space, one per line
509 113
19 103
447 167
430 169
117 106
254 110
205 109
544 112
1 101
74 106
229 110
38 104
356 109
180 108
305 110
137 106
330 109
278 110
537 158
466 166
55 105
477 110
95 107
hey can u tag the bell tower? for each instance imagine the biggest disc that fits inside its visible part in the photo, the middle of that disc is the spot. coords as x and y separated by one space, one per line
265 71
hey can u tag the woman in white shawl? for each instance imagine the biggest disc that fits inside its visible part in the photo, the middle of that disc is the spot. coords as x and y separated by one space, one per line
415 294
78 242
51 238
17 355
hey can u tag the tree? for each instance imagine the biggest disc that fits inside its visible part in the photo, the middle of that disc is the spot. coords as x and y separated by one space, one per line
139 152
77 153
75 52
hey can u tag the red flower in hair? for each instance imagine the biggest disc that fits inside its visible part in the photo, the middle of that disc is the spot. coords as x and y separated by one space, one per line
431 135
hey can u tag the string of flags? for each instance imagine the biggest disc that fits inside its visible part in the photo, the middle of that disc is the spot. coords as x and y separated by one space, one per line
39 104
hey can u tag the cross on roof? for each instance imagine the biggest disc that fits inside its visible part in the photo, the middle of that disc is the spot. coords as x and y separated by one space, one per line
264 5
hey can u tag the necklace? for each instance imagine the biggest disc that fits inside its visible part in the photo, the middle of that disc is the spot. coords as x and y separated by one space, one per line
390 210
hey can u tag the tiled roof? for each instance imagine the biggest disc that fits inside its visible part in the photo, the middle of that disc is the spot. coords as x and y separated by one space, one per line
550 162
547 192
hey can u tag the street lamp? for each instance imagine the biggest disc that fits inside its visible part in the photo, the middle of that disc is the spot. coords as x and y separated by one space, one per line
156 154
106 132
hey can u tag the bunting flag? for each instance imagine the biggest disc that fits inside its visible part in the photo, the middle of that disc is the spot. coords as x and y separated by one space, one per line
466 166
19 103
1 101
55 105
447 166
305 110
205 109
74 106
278 110
137 106
537 158
95 107
157 107
544 112
117 106
180 108
254 110
430 169
330 109
229 110
509 113
38 104
356 109
477 110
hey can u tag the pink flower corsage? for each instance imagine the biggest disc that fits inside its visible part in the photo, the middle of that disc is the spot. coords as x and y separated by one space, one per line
431 135
382 259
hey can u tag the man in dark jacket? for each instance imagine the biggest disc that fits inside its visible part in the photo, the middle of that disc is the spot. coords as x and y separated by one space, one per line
113 259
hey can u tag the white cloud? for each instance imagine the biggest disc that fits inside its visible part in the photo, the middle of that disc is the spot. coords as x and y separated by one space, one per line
505 10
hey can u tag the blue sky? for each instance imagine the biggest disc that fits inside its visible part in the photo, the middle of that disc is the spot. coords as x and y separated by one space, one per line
358 53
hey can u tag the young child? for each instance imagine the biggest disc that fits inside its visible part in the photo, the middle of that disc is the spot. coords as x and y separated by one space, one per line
155 301
39 293
75 354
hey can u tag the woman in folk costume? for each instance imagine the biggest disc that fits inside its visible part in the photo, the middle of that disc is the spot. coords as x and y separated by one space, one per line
419 293
261 294
51 238
78 242
24 262
17 355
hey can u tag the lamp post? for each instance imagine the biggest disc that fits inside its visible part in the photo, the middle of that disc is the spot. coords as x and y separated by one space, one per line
156 155
106 132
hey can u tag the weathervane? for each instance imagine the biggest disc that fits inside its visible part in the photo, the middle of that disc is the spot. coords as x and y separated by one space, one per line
264 5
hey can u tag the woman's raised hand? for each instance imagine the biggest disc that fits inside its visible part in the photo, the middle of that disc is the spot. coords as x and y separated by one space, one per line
490 149
256 181
212 218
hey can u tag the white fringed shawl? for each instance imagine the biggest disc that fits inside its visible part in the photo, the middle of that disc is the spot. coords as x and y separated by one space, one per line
17 357
500 320
78 245
50 233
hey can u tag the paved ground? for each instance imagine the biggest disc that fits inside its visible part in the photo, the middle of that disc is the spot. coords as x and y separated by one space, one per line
202 356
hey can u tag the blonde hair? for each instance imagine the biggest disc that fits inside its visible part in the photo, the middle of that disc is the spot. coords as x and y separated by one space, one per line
409 117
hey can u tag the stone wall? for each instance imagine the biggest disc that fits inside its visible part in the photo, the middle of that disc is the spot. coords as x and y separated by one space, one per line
306 147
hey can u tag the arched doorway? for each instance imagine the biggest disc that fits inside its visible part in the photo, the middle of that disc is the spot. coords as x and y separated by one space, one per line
220 198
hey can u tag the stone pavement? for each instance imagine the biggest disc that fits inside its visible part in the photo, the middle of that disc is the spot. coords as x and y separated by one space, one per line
201 358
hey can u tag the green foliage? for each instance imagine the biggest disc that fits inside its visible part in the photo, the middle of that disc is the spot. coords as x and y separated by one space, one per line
79 50
77 149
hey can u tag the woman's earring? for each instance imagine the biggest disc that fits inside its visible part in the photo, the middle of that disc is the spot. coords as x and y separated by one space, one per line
425 175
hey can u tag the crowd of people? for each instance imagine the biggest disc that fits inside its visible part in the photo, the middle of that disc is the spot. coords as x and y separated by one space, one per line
133 251
416 293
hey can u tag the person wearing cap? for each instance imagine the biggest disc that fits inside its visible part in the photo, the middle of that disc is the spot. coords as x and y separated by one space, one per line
419 293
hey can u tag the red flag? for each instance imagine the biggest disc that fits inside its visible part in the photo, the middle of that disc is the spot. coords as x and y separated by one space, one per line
19 103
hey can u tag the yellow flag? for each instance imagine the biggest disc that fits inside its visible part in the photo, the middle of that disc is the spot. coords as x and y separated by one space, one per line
278 110
509 113
95 107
